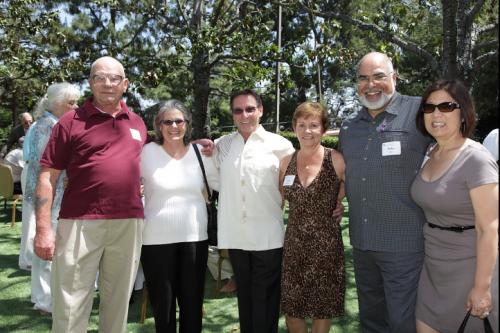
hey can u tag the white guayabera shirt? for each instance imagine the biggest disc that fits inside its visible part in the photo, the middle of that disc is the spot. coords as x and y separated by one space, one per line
250 215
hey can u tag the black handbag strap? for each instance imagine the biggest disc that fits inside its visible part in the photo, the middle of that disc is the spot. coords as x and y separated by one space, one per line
486 323
198 156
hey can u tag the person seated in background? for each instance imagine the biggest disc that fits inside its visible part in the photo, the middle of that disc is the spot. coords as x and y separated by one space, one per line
17 132
226 270
14 159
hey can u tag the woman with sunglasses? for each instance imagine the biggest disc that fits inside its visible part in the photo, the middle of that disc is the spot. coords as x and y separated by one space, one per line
175 251
457 187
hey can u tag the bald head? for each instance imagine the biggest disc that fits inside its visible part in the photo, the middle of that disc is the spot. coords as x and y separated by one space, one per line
108 84
107 62
26 119
376 81
376 57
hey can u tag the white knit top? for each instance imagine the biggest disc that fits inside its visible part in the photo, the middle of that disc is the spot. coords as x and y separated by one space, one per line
175 209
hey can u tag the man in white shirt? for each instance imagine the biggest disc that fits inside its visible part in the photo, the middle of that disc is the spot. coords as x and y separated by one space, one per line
250 222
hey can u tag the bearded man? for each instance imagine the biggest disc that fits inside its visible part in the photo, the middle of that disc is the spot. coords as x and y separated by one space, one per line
383 151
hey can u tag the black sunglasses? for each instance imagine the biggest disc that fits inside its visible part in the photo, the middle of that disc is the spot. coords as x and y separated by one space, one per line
442 107
169 122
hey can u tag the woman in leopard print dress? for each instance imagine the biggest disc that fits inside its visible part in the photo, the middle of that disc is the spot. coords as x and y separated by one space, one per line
313 274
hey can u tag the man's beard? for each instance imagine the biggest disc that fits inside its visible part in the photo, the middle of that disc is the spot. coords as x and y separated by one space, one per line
380 103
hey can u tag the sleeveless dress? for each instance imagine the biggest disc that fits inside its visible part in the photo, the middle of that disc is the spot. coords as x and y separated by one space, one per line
313 273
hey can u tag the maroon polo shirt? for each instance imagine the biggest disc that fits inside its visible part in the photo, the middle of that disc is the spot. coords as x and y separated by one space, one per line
100 154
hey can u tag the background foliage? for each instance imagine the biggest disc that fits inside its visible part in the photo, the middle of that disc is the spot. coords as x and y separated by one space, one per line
198 51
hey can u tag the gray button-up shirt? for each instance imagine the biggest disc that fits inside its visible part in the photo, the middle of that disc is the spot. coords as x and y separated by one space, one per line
383 155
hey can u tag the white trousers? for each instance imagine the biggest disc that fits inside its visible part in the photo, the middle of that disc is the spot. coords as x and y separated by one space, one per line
27 236
40 281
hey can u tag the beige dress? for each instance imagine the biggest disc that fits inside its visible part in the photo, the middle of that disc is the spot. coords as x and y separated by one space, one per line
450 257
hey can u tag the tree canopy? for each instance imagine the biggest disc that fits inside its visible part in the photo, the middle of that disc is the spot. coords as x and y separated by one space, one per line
199 51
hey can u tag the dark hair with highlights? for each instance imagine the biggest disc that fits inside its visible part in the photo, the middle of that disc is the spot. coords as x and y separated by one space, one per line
459 92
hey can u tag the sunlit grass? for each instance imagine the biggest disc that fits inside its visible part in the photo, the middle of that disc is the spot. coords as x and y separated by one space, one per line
221 314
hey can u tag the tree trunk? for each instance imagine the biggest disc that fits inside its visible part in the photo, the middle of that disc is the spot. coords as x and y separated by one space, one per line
449 65
201 74
201 92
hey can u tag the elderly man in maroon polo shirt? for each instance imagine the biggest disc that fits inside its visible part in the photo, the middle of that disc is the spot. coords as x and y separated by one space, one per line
101 216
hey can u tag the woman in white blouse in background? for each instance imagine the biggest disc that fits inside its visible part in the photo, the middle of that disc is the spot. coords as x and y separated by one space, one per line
175 250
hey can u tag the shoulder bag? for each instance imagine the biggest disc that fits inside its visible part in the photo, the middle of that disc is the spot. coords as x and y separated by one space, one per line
211 204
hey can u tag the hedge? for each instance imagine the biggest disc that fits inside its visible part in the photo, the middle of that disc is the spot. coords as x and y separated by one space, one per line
327 141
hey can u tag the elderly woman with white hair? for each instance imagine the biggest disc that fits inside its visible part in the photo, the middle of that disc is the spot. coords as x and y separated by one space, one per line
59 99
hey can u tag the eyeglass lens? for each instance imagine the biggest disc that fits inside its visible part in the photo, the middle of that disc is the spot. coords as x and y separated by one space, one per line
379 77
115 79
169 122
442 107
250 110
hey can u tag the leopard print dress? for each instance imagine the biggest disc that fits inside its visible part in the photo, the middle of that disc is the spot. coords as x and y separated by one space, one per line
313 273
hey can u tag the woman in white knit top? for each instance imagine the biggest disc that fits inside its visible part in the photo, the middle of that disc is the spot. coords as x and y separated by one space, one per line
175 250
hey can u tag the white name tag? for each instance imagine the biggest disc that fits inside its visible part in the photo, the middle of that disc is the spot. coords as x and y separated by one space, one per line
136 135
288 181
391 148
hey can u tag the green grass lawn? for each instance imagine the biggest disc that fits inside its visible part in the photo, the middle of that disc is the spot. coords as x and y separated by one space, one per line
221 314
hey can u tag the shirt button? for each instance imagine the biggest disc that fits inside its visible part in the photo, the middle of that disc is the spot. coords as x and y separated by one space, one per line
365 158
369 139
363 179
365 220
364 199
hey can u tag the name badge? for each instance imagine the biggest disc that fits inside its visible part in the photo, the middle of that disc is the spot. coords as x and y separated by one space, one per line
288 181
391 148
136 135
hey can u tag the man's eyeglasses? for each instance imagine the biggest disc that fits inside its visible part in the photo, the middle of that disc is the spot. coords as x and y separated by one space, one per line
442 107
114 79
249 110
376 78
169 122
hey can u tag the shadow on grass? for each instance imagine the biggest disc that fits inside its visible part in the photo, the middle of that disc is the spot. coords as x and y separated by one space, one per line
221 313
